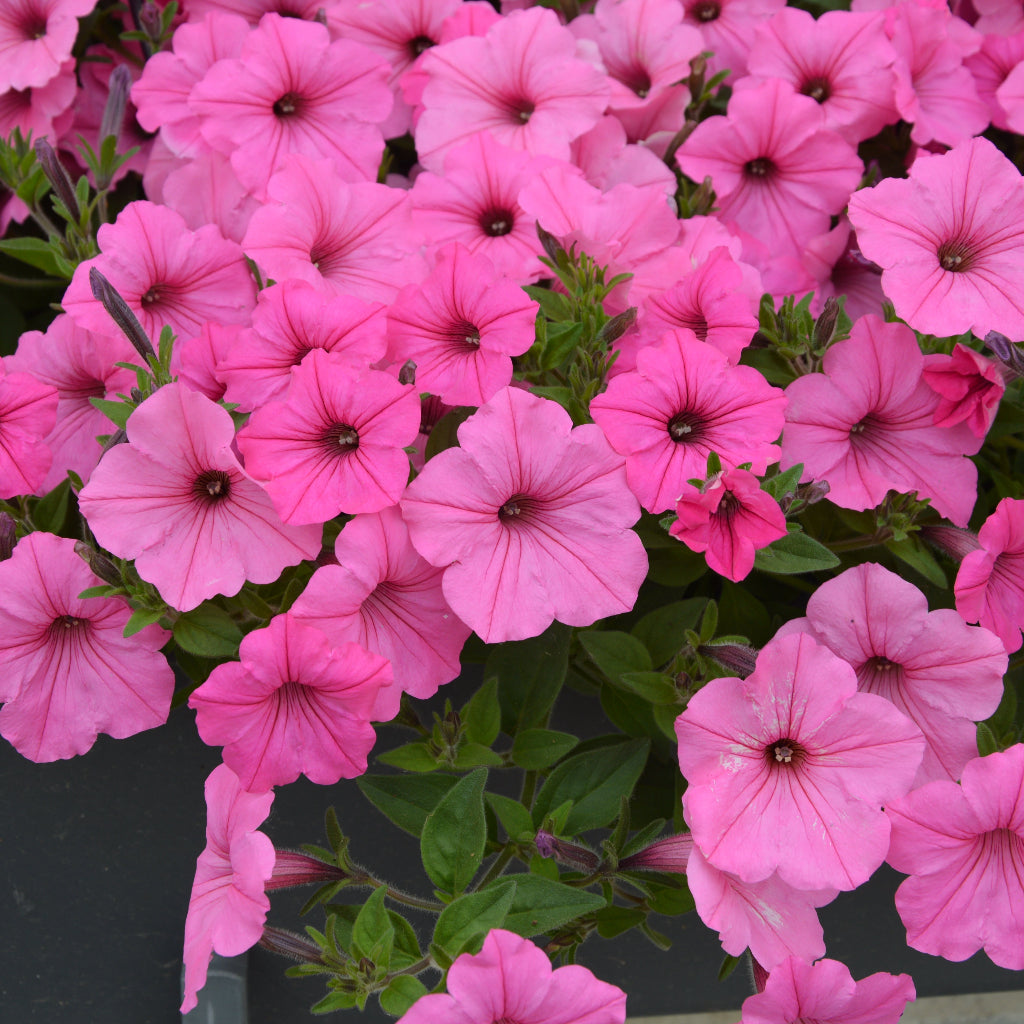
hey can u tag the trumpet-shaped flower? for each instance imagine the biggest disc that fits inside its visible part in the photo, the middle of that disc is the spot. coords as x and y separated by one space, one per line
28 411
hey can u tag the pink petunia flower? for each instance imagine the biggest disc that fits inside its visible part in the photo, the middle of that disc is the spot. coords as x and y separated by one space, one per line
28 411
963 847
837 268
729 518
683 402
461 327
511 979
825 992
45 110
992 66
384 596
530 519
728 28
949 241
971 387
228 905
177 501
36 38
989 586
866 425
335 444
293 705
69 671
789 768
941 673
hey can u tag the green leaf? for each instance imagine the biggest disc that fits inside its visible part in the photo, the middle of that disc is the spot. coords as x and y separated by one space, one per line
455 833
514 817
373 935
333 829
103 590
543 866
445 433
794 553
663 631
334 1001
412 757
475 755
52 508
672 901
562 341
554 305
406 800
537 749
407 946
530 675
987 742
919 558
208 631
783 483
541 905
594 781
116 412
472 916
482 714
35 252
612 921
140 619
654 687
729 965
614 652
400 994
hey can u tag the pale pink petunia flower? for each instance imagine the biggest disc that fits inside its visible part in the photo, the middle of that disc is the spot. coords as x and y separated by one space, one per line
989 585
728 28
949 241
36 38
531 520
992 65
511 979
825 992
941 673
206 190
866 425
177 501
522 82
607 158
166 273
838 268
384 596
195 360
789 768
963 847
461 326
684 401
293 705
69 671
228 905
729 518
254 10
777 171
335 444
971 387
45 110
28 411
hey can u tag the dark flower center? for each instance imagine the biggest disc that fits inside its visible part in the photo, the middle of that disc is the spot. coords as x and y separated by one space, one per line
35 27
638 80
955 256
341 438
66 625
695 321
288 105
521 110
462 334
864 430
214 485
517 509
685 427
728 506
152 296
707 10
784 753
328 258
759 167
420 45
818 88
497 222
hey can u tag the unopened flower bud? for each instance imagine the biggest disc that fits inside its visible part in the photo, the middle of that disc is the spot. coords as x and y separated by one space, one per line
295 947
8 536
572 855
57 176
825 325
407 374
119 436
292 868
99 564
549 243
121 313
1006 352
617 326
321 16
759 975
669 854
150 20
737 658
117 102
951 540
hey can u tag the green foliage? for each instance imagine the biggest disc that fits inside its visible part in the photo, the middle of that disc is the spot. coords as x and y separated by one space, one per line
454 835
530 674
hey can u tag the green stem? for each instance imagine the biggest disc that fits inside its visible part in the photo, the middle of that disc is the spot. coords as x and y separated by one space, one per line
499 865
857 543
417 968
529 788
365 878
30 282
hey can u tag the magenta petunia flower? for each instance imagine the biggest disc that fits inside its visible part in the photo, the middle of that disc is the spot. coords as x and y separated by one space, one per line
69 671
384 596
461 327
177 501
335 444
826 993
36 38
228 905
511 979
941 673
866 425
729 518
530 519
950 241
989 585
293 705
28 411
788 769
963 847
683 402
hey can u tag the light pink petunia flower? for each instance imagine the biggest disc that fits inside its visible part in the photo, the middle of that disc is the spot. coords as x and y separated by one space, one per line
511 979
963 847
69 671
177 501
36 38
866 425
971 387
254 10
45 110
989 586
28 411
826 993
293 705
530 518
950 241
941 673
384 596
728 28
228 905
789 768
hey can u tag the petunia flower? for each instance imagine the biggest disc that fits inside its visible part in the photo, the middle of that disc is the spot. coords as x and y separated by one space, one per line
36 38
177 501
971 387
511 979
962 846
293 705
28 411
789 768
950 241
728 28
530 518
69 671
